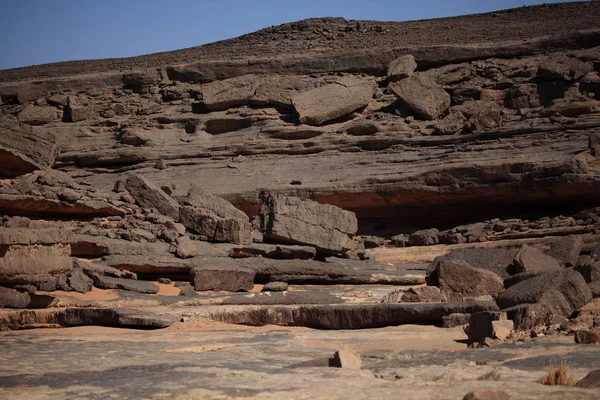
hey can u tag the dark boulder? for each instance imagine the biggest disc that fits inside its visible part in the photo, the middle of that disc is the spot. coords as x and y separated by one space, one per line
560 292
222 277
458 280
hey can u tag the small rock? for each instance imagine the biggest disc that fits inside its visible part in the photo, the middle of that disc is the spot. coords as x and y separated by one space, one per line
275 287
454 320
186 248
164 281
502 329
345 359
185 289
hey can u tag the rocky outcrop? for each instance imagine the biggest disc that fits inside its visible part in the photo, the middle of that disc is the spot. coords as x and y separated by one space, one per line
560 292
458 280
531 259
402 67
214 219
292 220
423 96
330 102
221 95
23 149
35 264
148 195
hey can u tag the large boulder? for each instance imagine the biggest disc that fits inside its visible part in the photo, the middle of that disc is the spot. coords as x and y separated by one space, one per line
296 221
402 67
214 219
497 260
329 102
24 149
564 68
560 292
278 90
425 237
233 92
422 95
222 277
458 280
566 250
531 259
149 195
33 115
34 264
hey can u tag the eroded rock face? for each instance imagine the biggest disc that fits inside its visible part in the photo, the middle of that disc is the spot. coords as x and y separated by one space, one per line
293 220
34 264
23 149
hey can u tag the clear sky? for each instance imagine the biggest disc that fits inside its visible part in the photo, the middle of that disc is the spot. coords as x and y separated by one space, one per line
44 31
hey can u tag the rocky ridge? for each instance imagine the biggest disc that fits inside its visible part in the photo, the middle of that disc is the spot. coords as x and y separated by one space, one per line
438 183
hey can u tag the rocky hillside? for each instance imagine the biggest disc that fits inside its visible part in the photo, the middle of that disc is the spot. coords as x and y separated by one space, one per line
324 35
430 179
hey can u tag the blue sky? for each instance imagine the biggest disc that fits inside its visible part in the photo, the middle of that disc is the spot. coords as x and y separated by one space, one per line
43 31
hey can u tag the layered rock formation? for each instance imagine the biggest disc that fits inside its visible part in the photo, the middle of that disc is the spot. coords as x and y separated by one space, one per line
462 175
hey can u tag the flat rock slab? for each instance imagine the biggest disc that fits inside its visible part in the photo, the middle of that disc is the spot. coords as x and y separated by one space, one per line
65 317
107 282
329 102
221 95
350 316
24 205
